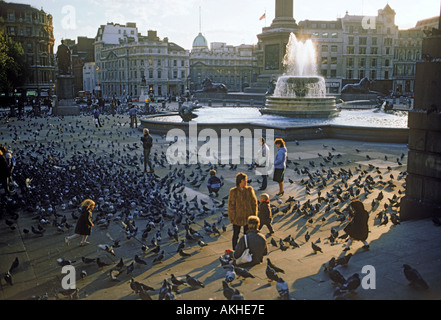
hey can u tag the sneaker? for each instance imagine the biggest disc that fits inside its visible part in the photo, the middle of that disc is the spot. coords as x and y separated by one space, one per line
66 240
84 243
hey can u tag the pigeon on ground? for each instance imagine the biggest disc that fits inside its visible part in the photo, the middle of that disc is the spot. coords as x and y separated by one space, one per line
414 277
227 290
193 282
282 289
276 269
271 274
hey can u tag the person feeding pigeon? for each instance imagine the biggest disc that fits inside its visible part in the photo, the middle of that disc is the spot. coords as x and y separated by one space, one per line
242 203
84 223
213 183
358 228
255 241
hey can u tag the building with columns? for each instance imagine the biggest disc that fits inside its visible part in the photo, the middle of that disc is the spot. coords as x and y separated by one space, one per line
234 66
131 64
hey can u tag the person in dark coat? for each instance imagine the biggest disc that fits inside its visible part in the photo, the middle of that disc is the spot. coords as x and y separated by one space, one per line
358 228
256 243
147 143
264 213
213 183
84 223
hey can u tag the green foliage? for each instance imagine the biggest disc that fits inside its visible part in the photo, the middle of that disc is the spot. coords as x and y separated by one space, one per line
13 66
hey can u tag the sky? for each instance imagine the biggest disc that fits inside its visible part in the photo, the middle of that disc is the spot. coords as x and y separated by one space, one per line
234 22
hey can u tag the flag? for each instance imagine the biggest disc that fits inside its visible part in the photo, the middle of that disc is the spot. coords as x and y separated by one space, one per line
262 17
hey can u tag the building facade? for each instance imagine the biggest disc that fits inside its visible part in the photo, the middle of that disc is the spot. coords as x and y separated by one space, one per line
33 29
130 64
234 66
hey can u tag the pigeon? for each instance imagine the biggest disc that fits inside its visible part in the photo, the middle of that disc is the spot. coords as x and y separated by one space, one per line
230 276
271 274
307 236
276 269
237 295
244 273
282 289
343 261
414 277
176 281
282 246
352 283
113 274
107 248
100 263
184 254
144 295
193 282
83 274
138 260
130 268
227 290
120 264
336 277
159 257
137 286
8 278
87 260
316 248
64 262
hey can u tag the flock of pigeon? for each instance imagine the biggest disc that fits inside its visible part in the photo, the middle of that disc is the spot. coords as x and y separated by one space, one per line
61 162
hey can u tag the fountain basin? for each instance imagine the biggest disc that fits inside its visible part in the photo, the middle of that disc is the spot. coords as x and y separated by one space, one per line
301 107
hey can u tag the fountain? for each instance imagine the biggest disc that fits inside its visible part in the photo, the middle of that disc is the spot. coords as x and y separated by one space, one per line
300 92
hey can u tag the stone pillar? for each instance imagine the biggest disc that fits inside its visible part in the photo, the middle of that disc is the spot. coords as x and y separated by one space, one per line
284 11
423 191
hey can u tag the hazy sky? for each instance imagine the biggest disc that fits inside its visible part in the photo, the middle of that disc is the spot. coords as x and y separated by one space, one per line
231 21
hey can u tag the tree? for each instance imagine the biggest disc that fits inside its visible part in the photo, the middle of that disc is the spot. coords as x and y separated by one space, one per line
13 66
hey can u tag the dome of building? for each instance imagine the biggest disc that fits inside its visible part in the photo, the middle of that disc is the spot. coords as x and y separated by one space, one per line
200 41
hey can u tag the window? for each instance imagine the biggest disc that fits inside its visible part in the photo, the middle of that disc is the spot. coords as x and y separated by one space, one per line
362 63
324 48
362 41
374 41
373 62
325 35
334 48
350 62
159 74
334 35
350 50
333 73
374 50
324 60
150 74
333 60
362 50
373 74
351 40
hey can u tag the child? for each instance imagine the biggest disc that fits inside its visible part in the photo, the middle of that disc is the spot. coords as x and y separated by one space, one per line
358 228
84 223
213 183
264 213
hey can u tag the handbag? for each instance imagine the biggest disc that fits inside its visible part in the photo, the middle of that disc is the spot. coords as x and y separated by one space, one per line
246 256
